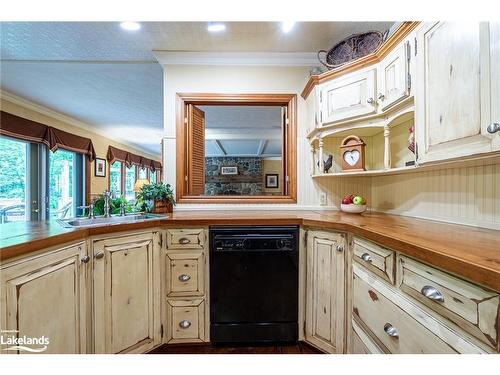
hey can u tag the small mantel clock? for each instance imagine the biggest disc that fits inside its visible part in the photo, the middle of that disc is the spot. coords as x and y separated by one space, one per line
352 150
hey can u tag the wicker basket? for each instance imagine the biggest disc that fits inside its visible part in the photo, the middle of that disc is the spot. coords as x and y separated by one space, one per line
163 207
351 48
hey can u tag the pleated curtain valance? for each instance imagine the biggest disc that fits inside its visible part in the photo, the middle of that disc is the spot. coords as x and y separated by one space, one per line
115 154
32 131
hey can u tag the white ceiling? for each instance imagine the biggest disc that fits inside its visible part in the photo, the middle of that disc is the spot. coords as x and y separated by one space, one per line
242 131
98 73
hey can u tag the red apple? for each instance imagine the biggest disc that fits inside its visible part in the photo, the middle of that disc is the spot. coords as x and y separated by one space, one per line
347 200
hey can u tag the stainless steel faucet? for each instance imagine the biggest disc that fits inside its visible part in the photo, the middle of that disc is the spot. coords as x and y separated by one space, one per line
90 207
107 196
122 209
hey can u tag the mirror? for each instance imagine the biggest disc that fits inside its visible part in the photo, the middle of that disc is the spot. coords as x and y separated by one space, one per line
237 150
243 150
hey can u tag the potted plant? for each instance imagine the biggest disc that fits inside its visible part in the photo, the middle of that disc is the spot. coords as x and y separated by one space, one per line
156 198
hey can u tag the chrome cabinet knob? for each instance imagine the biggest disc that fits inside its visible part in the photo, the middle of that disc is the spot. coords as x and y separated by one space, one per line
85 259
340 248
99 255
370 101
493 128
184 240
366 257
184 277
391 330
381 96
432 293
184 324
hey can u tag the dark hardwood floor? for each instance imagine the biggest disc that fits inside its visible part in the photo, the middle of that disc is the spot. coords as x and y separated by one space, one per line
300 348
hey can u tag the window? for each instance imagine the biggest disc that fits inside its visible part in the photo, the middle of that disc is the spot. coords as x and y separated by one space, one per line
64 183
130 178
115 178
13 180
142 173
37 184
152 177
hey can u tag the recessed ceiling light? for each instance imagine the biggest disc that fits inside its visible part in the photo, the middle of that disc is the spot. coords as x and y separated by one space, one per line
130 26
216 26
287 26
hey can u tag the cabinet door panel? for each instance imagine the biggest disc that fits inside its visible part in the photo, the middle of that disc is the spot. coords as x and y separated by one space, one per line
325 291
45 296
453 100
393 77
494 47
126 294
349 97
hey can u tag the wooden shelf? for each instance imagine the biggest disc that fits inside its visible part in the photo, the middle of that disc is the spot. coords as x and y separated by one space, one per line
377 172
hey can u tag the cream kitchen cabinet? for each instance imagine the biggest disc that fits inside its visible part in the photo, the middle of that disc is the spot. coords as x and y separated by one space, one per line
393 80
325 287
126 293
45 296
350 96
457 94
185 285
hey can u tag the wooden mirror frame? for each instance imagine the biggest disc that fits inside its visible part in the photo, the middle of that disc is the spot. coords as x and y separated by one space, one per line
289 152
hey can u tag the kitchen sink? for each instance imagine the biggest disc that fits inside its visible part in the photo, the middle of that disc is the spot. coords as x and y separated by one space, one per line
86 222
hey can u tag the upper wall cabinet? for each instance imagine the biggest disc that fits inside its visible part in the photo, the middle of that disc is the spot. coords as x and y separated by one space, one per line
457 97
348 97
393 79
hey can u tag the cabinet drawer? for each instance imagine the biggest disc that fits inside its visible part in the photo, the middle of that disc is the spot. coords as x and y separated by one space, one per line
362 343
185 321
185 273
375 258
186 238
399 325
472 308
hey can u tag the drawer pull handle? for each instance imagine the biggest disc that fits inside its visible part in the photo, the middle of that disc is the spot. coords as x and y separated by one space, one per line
99 255
184 240
184 277
391 330
184 324
366 257
85 259
432 293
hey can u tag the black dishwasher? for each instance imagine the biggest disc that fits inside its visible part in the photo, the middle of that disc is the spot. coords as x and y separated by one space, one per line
254 284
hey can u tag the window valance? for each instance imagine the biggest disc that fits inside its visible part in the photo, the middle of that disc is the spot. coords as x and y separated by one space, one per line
115 154
32 131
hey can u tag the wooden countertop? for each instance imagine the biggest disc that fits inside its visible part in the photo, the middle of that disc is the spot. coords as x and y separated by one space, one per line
472 253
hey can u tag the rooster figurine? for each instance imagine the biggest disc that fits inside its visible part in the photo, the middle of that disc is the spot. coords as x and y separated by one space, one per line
327 164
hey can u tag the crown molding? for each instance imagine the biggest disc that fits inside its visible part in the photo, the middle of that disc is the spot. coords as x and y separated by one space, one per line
25 103
304 59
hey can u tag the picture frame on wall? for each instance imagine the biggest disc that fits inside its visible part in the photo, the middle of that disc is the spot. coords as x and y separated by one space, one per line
272 181
100 167
229 170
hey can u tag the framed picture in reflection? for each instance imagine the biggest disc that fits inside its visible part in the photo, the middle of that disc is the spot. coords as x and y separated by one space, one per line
272 181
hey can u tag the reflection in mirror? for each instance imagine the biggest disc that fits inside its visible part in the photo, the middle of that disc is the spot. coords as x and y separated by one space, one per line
242 150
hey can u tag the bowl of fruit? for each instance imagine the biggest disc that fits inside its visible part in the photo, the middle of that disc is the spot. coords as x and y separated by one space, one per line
354 204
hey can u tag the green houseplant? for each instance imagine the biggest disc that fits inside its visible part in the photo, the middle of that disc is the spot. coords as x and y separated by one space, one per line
156 198
114 205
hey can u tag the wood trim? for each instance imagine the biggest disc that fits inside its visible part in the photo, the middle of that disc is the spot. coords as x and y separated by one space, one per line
402 32
88 177
290 164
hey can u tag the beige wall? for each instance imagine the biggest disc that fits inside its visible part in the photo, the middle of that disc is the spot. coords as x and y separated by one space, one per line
272 166
238 79
98 184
